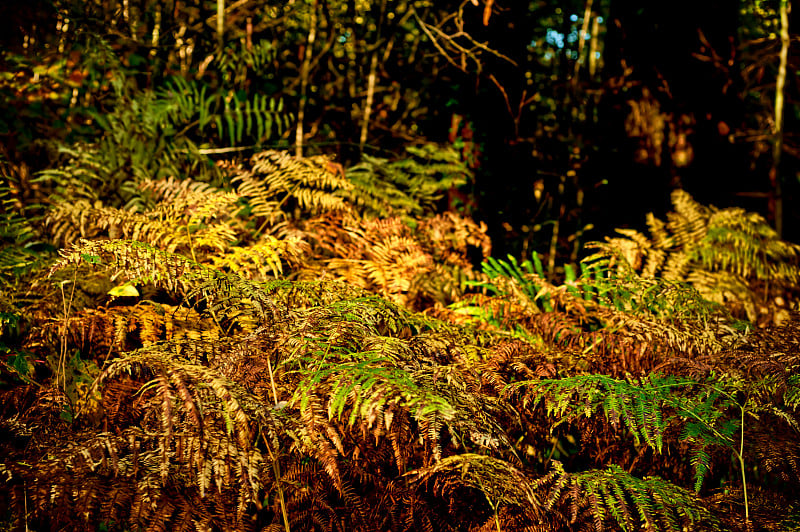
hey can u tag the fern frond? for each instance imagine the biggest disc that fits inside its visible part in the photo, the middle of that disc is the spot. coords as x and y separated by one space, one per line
500 481
191 216
233 119
311 183
726 254
408 187
651 502
261 260
646 407
17 234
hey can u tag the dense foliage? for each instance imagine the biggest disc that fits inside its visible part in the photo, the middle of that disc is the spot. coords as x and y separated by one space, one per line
207 322
290 351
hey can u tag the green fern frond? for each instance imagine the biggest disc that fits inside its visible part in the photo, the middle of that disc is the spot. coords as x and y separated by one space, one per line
234 120
637 406
652 503
17 235
791 396
408 187
646 407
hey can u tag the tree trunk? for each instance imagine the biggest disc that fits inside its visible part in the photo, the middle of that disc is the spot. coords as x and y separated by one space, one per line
776 199
304 74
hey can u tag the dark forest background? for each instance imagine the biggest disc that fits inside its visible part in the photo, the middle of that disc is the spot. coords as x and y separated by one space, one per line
576 117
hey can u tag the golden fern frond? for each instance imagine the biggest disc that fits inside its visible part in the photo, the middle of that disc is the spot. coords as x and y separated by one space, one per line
727 254
263 202
689 220
380 255
137 260
124 327
451 238
182 224
501 482
143 264
743 244
311 182
261 260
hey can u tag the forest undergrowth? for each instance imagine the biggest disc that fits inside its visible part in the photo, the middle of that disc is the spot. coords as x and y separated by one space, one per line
289 345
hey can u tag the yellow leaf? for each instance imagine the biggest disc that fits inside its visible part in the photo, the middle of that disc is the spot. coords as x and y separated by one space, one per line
124 290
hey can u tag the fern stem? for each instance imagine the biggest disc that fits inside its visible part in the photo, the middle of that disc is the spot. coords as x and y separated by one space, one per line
740 456
272 382
276 468
492 505
740 453
191 244
61 372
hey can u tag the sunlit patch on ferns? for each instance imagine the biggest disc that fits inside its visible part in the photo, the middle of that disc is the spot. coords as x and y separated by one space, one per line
726 254
614 319
189 217
277 183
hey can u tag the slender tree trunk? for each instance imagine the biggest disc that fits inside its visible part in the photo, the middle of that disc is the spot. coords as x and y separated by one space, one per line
373 67
156 31
220 23
587 14
304 74
373 70
777 143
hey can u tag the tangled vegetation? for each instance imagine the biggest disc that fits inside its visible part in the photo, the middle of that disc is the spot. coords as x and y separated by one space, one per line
207 325
289 350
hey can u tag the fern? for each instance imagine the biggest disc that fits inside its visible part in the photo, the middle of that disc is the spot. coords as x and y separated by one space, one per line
658 504
606 494
408 187
279 183
232 118
645 407
724 253
18 237
155 135
234 63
